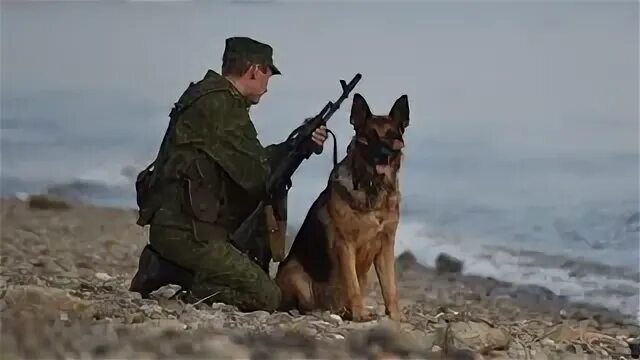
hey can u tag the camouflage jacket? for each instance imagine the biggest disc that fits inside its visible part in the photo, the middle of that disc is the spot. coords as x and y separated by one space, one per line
215 167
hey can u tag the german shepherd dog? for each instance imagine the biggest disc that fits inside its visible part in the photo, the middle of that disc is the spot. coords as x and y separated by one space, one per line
352 224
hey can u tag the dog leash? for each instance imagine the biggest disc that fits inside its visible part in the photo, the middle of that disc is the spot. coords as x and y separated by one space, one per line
335 148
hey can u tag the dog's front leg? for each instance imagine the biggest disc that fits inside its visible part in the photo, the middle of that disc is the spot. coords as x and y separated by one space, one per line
384 263
355 303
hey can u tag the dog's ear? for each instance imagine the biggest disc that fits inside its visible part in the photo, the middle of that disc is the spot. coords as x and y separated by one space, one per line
360 111
400 111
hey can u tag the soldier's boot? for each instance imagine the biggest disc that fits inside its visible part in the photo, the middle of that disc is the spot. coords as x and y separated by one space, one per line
154 272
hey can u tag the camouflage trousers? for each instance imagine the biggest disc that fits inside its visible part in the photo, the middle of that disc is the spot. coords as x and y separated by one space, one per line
222 273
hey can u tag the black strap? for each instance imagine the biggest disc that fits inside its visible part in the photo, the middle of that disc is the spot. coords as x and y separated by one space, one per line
335 148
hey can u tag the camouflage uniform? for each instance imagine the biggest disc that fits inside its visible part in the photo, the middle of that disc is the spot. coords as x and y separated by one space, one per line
213 175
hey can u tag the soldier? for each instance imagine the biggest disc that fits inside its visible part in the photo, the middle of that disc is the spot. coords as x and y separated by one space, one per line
209 175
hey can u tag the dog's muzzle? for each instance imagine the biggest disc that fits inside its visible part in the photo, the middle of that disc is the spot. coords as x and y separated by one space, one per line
378 152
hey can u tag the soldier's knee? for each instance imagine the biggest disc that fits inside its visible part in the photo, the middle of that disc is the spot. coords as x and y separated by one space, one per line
271 298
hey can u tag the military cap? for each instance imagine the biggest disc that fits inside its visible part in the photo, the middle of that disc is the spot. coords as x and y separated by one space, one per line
251 50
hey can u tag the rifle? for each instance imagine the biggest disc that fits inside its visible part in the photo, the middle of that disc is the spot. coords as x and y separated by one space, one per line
279 181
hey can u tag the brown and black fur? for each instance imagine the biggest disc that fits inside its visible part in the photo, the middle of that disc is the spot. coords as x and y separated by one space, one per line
351 225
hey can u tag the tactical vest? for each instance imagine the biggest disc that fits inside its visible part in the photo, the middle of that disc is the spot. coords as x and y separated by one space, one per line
149 181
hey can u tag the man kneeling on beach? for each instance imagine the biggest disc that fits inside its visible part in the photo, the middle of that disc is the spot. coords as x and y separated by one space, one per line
209 176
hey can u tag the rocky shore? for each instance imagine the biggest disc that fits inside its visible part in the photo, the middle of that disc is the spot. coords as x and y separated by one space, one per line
63 294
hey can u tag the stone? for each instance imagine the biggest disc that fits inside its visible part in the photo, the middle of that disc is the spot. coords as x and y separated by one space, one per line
405 261
223 347
406 257
548 342
258 315
41 302
390 339
474 336
561 333
447 264
308 331
634 347
103 276
166 291
47 202
336 318
530 293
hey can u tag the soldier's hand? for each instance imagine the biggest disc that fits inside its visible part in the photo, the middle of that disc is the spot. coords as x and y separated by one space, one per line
319 136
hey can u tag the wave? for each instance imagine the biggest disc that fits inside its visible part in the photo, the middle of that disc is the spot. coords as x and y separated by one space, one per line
581 280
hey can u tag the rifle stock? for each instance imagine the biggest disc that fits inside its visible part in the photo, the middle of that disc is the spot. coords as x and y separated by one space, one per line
279 182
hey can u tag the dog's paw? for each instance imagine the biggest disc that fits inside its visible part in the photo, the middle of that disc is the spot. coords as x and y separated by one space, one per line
396 316
361 315
393 312
364 317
